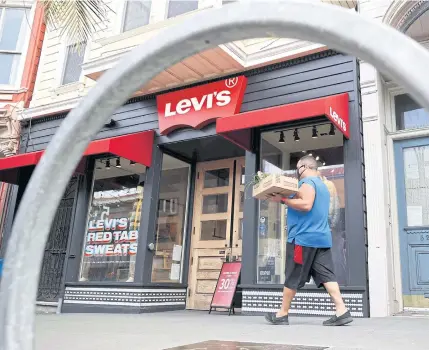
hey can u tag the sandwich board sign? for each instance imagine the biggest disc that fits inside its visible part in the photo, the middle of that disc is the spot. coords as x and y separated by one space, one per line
223 297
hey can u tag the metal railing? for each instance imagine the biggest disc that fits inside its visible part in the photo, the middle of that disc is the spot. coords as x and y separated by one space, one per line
391 52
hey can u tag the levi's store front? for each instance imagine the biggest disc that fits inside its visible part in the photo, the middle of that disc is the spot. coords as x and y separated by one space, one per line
163 196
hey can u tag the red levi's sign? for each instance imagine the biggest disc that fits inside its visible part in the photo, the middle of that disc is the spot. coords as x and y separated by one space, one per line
198 106
337 111
226 285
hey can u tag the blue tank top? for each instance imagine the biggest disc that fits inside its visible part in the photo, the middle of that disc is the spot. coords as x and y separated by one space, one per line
311 229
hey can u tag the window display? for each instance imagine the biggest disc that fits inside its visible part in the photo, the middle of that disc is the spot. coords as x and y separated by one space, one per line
280 152
170 229
110 246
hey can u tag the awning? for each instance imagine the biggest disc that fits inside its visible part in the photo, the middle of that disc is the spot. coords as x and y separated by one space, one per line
135 147
238 128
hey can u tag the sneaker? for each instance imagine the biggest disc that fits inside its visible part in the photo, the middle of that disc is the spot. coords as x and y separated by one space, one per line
342 320
273 319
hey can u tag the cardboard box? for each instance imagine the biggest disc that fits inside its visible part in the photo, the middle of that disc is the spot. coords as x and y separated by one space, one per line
274 184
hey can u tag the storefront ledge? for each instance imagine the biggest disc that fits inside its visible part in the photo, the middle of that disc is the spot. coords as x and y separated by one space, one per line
307 302
122 298
307 287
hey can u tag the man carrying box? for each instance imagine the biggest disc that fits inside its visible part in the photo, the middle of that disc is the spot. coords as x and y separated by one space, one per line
308 251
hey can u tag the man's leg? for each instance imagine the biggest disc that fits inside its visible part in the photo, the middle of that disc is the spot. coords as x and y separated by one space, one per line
334 291
288 295
323 274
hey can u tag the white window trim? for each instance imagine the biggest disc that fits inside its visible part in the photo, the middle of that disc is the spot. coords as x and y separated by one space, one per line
200 7
120 17
25 5
392 90
63 58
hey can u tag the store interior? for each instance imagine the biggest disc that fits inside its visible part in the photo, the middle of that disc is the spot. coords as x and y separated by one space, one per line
281 149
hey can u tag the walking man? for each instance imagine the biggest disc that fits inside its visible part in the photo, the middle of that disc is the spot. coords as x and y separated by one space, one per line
308 251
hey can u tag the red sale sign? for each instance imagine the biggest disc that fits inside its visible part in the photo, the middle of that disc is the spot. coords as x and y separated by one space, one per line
226 285
198 106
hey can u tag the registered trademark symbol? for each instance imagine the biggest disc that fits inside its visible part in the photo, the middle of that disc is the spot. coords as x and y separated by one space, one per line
231 82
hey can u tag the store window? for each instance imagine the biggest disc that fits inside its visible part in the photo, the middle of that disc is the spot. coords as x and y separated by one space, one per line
416 166
73 63
179 7
171 222
137 14
110 247
409 114
13 28
280 152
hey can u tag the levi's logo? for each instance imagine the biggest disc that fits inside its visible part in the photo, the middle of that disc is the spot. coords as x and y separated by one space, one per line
200 105
341 123
196 104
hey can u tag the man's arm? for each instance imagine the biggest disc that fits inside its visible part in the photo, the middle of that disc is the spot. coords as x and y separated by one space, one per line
303 200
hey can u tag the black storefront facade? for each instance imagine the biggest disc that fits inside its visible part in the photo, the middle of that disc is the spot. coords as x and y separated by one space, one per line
182 195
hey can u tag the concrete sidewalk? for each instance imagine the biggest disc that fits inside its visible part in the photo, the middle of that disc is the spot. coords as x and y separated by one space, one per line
166 330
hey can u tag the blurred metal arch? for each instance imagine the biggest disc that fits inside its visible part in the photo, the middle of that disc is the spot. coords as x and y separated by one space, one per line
337 28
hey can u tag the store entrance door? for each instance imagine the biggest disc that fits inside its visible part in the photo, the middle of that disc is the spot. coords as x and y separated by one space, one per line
412 173
217 226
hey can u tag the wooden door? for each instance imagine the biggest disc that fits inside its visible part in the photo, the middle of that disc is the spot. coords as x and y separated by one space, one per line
215 227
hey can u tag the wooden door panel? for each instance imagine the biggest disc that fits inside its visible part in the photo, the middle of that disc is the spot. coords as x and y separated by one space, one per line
210 243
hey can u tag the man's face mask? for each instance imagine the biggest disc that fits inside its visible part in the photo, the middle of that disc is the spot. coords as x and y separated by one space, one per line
298 172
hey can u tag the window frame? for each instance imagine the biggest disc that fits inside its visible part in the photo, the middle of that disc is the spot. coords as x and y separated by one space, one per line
28 16
63 60
90 197
184 267
182 14
122 13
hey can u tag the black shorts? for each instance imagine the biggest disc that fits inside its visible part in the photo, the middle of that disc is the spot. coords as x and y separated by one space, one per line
316 263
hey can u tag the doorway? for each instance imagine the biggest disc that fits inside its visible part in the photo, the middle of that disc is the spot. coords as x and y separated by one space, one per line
412 176
217 226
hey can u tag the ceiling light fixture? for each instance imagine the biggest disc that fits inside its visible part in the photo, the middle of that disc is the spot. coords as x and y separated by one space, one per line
332 131
317 158
118 163
282 137
132 162
108 164
324 163
314 133
296 136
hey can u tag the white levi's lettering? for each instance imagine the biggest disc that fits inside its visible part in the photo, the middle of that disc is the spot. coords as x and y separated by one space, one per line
183 106
223 98
198 104
220 99
168 112
337 119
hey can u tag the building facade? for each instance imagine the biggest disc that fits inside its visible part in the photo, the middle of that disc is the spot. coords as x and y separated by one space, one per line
21 36
395 133
187 208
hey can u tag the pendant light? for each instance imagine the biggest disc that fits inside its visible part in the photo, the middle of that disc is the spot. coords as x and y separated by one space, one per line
296 136
332 131
282 137
132 162
118 163
108 164
314 133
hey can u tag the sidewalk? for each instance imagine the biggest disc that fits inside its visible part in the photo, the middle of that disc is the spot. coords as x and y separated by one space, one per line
171 329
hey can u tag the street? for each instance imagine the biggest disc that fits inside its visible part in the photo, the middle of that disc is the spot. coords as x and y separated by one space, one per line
168 330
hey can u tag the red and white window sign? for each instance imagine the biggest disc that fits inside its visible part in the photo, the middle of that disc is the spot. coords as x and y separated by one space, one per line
198 106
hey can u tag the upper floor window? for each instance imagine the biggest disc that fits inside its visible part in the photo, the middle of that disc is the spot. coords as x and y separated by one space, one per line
73 63
409 114
178 7
137 14
13 27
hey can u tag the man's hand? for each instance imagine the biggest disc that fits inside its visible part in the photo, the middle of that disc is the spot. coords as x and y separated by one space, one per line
276 198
